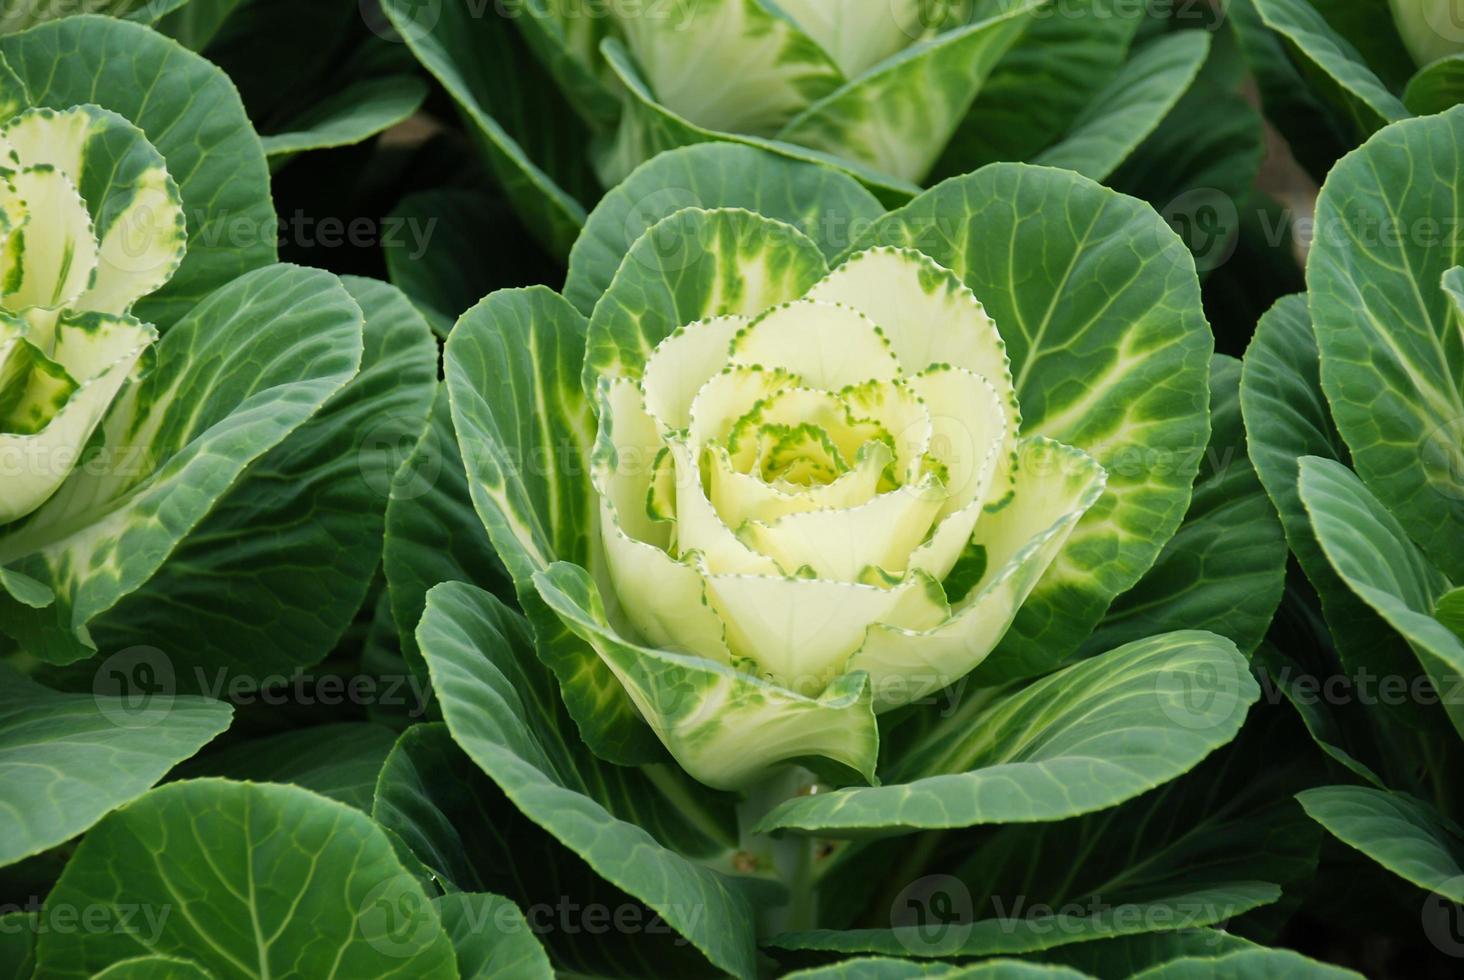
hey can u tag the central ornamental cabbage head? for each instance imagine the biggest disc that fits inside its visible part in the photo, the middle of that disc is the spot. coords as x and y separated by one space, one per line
830 487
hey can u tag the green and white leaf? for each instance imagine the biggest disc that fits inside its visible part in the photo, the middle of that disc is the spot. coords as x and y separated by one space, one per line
648 128
232 380
897 117
729 65
1079 740
1098 304
525 430
501 709
293 534
826 206
1225 568
724 726
279 882
191 113
693 266
68 759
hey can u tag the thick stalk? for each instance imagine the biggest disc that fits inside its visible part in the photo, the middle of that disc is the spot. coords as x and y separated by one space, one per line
790 856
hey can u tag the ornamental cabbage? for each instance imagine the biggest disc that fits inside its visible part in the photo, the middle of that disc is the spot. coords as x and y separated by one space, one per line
70 271
883 85
757 491
831 485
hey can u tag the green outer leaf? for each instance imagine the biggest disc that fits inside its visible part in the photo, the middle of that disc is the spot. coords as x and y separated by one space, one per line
829 207
575 70
1121 958
897 117
1247 964
465 638
648 128
1333 65
432 532
1315 133
191 112
1341 731
154 968
18 945
339 761
1085 738
14 95
1396 830
25 590
526 432
691 266
1198 169
533 148
1194 909
881 968
1129 107
1375 36
492 939
67 759
1225 568
247 367
1287 418
1436 87
241 860
1231 820
1042 83
470 837
1099 306
142 11
1370 552
1449 610
726 727
297 535
349 116
1391 347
